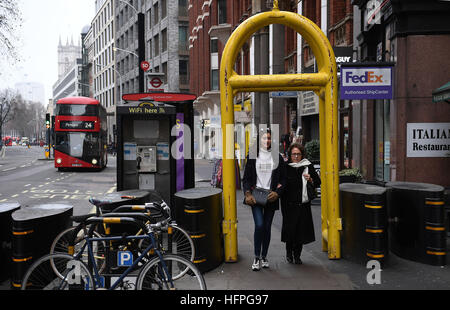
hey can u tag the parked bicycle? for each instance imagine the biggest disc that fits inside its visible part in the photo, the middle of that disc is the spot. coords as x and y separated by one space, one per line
60 271
172 238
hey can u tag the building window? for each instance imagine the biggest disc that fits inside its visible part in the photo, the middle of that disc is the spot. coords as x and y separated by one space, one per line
156 42
183 38
382 140
163 8
148 18
214 79
164 68
150 53
184 71
222 11
164 39
214 82
214 45
182 8
155 14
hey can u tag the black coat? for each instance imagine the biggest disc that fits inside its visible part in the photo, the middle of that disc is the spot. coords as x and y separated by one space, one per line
278 177
298 224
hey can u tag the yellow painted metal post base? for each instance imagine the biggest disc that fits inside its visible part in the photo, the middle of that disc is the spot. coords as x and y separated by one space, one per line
323 83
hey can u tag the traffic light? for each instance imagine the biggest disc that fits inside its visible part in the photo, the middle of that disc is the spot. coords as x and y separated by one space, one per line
47 120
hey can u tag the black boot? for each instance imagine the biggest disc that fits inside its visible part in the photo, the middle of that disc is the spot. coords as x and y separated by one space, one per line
289 256
297 253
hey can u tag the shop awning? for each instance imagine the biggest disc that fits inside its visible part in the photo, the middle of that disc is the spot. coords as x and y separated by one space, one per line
442 93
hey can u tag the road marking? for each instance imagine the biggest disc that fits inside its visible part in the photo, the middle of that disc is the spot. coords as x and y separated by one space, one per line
9 169
13 196
26 185
111 190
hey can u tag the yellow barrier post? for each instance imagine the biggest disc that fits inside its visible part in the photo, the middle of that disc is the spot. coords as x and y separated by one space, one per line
324 83
323 168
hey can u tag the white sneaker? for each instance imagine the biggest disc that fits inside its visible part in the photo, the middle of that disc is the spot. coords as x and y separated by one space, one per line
264 263
256 266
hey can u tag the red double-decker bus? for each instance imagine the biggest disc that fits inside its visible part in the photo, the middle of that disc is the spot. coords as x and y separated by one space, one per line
80 133
7 141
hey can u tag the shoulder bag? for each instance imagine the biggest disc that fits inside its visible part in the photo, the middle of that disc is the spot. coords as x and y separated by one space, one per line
260 195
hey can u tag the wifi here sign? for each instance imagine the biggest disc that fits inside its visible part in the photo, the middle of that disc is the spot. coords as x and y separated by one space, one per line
366 83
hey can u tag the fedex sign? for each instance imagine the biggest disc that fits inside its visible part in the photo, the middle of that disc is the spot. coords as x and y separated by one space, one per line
366 83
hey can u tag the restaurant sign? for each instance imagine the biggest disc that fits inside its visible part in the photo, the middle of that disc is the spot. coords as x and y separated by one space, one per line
428 140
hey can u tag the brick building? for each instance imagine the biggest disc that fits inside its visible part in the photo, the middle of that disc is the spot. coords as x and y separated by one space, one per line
210 25
414 36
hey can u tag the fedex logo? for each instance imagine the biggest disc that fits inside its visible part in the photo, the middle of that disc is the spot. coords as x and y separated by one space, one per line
369 77
366 76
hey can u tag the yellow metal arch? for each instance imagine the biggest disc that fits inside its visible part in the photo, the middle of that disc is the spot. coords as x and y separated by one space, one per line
324 83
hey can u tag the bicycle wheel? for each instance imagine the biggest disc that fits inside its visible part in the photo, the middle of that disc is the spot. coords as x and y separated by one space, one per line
178 242
154 276
181 242
61 245
69 274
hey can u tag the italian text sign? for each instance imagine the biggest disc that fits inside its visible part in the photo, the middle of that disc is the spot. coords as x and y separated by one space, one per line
428 140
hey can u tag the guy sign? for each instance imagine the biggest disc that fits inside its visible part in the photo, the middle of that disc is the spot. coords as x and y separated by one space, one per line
366 82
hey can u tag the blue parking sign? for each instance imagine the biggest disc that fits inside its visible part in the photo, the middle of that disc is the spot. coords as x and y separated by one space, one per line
124 258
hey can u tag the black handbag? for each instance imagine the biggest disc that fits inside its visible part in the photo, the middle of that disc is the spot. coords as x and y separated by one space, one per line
260 195
311 190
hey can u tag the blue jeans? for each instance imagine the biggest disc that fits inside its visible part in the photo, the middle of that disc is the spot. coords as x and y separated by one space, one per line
263 224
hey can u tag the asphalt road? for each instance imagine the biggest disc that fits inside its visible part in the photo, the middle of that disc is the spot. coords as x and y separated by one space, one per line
26 177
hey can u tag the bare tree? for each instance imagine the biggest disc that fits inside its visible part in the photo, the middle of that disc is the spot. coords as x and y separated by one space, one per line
10 20
9 99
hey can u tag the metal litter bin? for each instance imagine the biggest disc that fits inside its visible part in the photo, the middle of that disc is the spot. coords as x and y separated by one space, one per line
417 222
364 234
199 211
6 209
33 231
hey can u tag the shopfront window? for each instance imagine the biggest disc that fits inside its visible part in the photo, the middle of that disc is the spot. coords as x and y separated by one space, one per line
382 140
345 141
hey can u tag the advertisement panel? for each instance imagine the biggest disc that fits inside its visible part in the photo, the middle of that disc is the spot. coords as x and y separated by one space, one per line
366 83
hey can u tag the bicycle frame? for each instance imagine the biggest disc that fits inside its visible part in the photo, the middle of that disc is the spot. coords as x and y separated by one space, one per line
91 257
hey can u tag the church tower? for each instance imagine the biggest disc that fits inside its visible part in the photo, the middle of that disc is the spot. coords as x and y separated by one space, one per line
67 56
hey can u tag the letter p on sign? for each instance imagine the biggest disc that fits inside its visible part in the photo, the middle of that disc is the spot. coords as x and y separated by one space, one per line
124 258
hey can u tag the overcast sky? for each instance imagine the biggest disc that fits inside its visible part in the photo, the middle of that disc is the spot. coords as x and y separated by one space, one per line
44 22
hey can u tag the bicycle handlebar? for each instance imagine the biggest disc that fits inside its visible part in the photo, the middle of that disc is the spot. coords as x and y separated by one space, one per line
103 220
135 215
98 202
117 220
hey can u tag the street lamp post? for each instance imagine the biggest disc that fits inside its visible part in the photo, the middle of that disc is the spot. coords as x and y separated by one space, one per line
120 79
126 51
141 45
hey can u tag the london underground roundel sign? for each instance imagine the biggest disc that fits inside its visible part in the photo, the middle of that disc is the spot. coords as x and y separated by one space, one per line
156 82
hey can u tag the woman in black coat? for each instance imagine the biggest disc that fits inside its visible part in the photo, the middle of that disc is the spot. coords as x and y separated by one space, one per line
266 173
298 227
